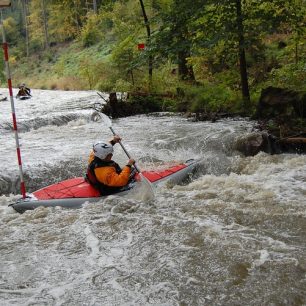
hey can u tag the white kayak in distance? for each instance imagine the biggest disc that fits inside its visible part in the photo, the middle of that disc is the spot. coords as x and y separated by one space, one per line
73 193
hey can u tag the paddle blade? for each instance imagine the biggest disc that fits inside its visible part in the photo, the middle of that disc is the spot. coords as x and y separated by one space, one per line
143 191
148 187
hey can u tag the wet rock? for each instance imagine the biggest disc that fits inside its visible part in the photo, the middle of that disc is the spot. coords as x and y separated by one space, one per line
293 145
281 114
112 107
134 104
211 116
256 142
275 102
240 271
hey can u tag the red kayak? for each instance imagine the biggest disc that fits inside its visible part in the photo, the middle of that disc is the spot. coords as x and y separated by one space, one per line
74 192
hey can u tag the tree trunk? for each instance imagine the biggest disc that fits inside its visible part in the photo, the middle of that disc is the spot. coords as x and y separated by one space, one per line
132 77
113 103
95 6
242 59
25 14
45 21
146 21
296 53
185 71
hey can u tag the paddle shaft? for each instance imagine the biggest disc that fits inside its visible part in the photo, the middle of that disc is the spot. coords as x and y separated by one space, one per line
107 119
124 149
146 182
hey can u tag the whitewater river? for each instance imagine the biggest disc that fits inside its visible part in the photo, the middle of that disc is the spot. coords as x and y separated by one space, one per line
234 235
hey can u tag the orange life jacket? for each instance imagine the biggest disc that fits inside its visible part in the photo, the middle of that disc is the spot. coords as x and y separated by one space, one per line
107 176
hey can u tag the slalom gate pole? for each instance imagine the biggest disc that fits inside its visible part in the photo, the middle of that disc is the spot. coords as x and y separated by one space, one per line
9 83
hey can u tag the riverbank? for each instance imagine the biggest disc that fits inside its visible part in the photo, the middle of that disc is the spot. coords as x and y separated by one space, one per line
281 122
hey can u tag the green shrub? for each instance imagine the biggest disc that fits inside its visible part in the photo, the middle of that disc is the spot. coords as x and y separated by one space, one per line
292 76
122 86
105 85
145 104
169 105
209 98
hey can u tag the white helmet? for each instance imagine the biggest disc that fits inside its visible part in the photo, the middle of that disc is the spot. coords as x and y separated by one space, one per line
102 149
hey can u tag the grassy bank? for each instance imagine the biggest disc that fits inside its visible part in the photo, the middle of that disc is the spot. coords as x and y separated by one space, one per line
65 66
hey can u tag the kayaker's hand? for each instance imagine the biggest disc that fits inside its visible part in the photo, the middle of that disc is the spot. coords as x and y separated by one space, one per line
131 162
115 139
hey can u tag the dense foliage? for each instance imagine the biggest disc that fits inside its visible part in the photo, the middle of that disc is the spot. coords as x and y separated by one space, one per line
219 53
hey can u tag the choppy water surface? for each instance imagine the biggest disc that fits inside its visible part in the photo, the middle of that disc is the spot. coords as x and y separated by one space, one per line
234 235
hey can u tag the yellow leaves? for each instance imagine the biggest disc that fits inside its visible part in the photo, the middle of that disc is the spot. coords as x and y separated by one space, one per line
13 59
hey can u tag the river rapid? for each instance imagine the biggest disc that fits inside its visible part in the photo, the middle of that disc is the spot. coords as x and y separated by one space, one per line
235 234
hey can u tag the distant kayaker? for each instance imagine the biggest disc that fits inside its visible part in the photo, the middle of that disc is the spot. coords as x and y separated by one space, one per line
23 91
105 174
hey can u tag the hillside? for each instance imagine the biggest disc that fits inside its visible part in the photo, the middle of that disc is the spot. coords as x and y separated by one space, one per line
65 66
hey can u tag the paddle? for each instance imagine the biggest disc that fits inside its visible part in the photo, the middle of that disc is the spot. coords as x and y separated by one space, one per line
146 182
101 96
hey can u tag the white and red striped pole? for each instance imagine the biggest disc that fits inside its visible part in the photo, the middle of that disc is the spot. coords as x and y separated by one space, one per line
9 83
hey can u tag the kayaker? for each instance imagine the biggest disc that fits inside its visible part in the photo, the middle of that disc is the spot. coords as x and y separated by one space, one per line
105 174
23 91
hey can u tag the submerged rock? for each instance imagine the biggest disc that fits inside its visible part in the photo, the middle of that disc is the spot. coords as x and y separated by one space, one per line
256 142
281 115
132 104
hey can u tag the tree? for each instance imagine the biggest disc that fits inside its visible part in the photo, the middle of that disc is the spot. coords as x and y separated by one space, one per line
147 25
95 6
174 38
36 25
66 18
45 23
294 13
242 59
25 20
224 24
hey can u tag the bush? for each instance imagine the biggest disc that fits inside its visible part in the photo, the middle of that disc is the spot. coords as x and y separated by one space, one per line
208 98
122 86
291 76
168 105
145 104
